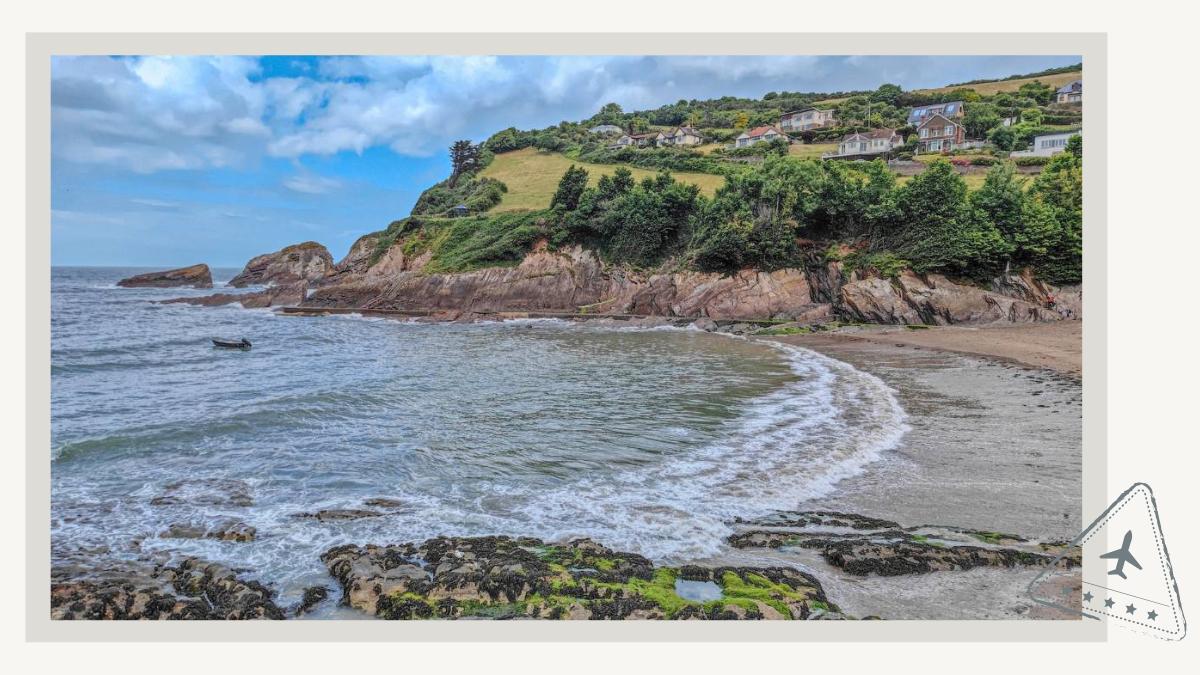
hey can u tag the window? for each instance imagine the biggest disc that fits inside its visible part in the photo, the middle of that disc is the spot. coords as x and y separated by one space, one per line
948 131
950 109
935 145
924 133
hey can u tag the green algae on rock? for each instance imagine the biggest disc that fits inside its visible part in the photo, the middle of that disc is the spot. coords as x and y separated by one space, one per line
503 577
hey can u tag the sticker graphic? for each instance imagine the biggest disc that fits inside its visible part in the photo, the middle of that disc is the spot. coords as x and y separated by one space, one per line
1127 575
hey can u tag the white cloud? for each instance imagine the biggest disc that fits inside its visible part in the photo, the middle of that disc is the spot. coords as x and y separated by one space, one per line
310 184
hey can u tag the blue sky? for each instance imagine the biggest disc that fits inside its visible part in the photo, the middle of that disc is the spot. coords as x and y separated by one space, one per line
164 161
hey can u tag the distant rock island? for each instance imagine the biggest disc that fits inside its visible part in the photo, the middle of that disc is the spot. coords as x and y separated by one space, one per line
196 276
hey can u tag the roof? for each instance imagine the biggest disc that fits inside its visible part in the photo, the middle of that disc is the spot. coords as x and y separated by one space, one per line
686 130
801 110
945 120
1076 85
949 108
648 134
761 131
1068 134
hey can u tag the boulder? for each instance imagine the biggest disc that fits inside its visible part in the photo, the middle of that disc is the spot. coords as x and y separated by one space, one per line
196 276
308 262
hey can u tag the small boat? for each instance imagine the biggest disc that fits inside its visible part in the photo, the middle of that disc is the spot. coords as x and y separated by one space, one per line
231 344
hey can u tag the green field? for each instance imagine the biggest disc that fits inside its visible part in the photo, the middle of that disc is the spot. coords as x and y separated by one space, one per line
532 177
811 150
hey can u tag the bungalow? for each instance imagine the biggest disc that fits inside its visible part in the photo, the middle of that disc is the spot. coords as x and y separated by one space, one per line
805 119
640 140
875 142
759 135
606 129
1047 144
1070 93
951 110
683 136
939 134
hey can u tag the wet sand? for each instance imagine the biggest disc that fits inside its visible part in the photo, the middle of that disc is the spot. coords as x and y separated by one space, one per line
995 445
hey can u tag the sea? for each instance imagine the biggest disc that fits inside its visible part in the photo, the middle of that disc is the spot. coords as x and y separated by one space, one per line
646 440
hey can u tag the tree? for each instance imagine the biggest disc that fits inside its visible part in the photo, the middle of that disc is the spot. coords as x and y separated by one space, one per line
741 121
570 189
887 93
1003 138
1031 116
620 182
938 231
1075 145
980 118
464 159
610 113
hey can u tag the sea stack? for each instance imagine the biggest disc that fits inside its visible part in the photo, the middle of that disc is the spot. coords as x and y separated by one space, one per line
308 261
196 276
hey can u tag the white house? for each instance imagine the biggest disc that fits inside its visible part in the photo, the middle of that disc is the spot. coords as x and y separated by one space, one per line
1071 92
683 136
1047 144
640 140
759 135
875 142
805 119
606 129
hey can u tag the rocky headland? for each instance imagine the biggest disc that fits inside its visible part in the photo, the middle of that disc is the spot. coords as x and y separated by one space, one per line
196 276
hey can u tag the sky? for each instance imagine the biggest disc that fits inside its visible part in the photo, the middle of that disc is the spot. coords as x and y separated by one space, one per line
170 161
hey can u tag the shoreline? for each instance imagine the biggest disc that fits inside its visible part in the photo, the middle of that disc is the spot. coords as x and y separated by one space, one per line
1055 346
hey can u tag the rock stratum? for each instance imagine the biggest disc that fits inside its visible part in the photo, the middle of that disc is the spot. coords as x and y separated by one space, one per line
196 276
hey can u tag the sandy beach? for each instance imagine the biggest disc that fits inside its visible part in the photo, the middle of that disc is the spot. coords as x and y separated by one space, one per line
1055 346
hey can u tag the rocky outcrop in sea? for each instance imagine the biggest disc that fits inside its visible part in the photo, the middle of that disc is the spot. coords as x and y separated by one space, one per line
196 276
307 261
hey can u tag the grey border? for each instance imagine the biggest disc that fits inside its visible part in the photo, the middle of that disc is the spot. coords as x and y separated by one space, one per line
1093 47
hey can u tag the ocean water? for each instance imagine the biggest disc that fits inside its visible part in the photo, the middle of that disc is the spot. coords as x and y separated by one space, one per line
646 440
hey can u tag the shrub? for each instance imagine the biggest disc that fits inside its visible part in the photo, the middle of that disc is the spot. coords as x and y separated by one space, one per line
1031 161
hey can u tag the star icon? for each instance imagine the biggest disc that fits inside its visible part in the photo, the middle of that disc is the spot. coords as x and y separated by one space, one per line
1130 609
1087 597
1108 602
1152 615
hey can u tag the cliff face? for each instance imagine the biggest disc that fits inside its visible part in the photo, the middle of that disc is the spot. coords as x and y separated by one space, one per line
576 280
196 276
567 281
308 261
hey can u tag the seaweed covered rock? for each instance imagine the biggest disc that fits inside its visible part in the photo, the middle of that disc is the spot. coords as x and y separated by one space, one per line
308 261
196 276
194 589
861 545
502 577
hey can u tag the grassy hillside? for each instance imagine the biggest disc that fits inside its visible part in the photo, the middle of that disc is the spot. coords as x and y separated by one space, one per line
532 177
990 88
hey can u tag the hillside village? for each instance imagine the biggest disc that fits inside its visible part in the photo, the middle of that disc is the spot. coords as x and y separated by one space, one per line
968 180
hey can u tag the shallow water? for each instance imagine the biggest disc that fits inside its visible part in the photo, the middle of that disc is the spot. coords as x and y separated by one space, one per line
645 440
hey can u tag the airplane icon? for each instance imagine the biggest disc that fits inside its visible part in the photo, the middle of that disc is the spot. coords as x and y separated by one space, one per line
1122 556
